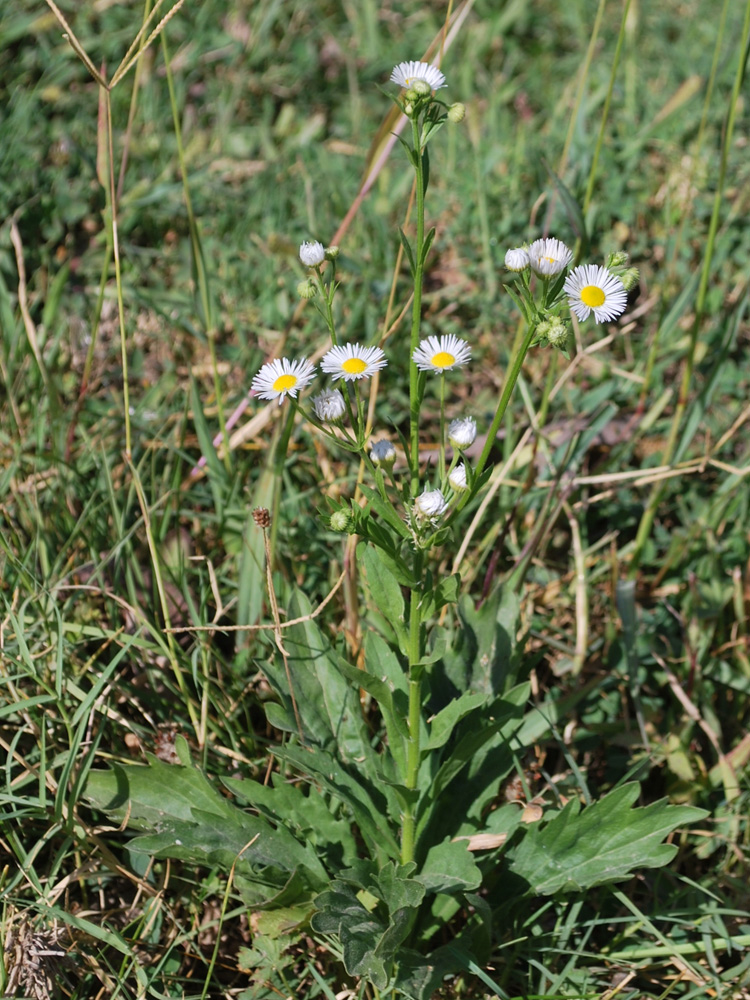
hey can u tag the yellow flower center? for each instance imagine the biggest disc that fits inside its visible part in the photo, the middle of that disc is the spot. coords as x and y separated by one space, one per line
354 366
443 359
550 260
285 382
592 296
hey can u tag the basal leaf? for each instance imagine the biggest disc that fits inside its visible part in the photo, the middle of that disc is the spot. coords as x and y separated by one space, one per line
606 842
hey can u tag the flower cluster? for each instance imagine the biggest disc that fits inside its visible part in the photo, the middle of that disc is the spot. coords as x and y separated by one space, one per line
589 288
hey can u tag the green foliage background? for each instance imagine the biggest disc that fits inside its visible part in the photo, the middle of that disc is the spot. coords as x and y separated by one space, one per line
278 106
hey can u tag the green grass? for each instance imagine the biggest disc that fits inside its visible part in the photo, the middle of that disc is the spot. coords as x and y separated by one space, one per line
278 104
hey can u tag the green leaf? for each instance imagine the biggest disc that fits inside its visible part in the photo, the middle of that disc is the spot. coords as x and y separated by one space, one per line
407 249
443 724
606 842
450 867
370 939
483 657
385 590
393 704
386 511
192 821
327 704
305 811
428 241
367 803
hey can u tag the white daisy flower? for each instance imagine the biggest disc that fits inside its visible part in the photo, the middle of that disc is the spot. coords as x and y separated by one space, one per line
329 406
406 74
462 432
549 256
593 289
430 504
517 259
383 453
353 361
438 354
312 253
282 377
457 478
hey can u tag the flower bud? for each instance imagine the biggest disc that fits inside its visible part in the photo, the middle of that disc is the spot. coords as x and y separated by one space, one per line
340 520
411 95
557 333
462 432
430 504
408 109
383 453
421 88
630 278
306 289
617 259
312 253
457 478
517 259
332 253
456 112
329 406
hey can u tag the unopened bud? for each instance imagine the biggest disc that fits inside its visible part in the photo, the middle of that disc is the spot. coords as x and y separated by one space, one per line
421 88
383 453
306 289
630 278
617 258
332 253
557 333
411 94
456 112
340 520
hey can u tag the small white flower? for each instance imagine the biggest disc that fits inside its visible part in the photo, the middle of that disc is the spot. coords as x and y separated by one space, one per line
430 504
462 432
312 253
282 377
439 354
383 453
406 74
457 478
329 406
353 361
517 259
593 289
549 256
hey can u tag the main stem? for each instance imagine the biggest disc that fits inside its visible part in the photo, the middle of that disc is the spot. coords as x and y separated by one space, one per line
416 315
415 713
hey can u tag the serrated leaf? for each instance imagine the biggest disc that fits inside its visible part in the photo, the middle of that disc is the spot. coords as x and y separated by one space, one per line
367 803
449 867
189 819
606 842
